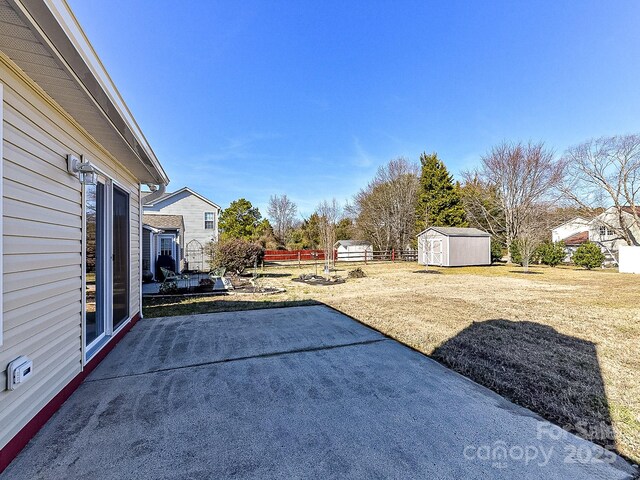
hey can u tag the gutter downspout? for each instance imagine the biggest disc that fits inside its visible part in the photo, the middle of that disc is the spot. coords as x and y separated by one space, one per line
158 191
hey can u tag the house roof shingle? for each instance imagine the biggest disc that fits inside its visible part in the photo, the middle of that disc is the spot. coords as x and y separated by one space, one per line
577 238
163 222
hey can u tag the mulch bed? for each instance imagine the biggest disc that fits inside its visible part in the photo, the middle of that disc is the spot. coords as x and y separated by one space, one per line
318 280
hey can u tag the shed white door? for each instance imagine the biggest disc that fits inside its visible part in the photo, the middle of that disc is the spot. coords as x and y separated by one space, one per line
434 251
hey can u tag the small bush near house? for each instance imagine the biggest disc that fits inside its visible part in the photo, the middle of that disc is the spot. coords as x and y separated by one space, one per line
588 255
236 255
552 254
356 273
169 288
496 251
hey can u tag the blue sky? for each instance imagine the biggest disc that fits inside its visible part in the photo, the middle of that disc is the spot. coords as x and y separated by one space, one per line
308 98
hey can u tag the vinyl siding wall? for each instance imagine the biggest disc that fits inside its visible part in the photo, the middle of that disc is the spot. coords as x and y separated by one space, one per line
43 244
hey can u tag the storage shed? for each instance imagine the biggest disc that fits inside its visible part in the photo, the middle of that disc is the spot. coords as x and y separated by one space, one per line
454 247
353 251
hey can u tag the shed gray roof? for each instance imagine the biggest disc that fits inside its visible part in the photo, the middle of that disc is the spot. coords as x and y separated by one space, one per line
163 222
458 232
351 243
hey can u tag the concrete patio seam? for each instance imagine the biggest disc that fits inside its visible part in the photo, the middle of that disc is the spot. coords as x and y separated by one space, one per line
238 359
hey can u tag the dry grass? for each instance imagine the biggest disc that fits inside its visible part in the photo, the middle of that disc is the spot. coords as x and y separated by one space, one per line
561 341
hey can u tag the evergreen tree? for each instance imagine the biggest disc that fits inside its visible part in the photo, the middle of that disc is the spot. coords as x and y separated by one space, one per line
240 220
439 202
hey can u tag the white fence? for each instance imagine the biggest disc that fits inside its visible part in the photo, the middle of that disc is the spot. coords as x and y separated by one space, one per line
629 261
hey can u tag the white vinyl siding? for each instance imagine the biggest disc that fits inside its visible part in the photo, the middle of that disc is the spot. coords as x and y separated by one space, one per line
1 202
42 240
192 209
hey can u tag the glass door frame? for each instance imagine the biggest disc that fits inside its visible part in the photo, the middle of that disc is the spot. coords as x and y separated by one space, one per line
104 251
127 242
90 350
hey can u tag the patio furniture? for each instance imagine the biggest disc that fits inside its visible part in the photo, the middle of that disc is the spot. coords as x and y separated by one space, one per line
220 282
218 272
171 276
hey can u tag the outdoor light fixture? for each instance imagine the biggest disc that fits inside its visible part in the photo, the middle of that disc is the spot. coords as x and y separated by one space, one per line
85 171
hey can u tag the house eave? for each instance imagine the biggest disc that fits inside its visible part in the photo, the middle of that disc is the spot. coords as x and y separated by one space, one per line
57 29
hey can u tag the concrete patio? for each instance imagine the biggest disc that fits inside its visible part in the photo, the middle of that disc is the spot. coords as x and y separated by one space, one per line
295 392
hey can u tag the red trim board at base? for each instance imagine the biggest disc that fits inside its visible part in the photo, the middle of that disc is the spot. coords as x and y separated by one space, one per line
20 440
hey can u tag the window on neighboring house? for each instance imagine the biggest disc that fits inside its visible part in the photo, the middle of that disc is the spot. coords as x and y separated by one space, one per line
166 246
606 232
209 221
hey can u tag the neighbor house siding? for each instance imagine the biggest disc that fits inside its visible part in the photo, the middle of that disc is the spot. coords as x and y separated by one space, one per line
146 249
192 210
43 244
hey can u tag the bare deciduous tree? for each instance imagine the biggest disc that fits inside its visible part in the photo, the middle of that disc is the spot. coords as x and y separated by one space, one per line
329 213
534 230
282 212
521 179
385 210
603 172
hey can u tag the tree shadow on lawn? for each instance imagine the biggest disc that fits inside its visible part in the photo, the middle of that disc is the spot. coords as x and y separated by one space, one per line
555 375
173 306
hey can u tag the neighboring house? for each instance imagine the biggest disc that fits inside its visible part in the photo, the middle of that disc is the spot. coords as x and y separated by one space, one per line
73 161
353 251
454 247
569 228
162 235
200 216
572 243
603 230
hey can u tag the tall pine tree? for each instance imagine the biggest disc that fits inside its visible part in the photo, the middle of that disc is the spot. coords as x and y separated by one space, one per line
439 203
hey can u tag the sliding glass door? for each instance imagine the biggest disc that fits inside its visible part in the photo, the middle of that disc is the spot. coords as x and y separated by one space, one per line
107 257
120 256
95 263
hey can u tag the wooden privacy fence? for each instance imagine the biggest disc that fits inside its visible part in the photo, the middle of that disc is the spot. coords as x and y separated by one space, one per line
311 256
292 255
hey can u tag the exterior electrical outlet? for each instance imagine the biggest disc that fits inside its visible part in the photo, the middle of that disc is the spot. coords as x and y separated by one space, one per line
18 372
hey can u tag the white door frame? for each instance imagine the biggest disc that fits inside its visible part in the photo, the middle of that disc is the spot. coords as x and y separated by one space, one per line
174 246
432 257
107 252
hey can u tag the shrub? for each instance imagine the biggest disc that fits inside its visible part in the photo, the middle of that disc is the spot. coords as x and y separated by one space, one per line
205 282
552 254
169 288
236 255
496 250
588 255
515 253
356 273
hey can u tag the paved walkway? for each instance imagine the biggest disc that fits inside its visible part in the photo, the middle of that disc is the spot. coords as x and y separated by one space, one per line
292 393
